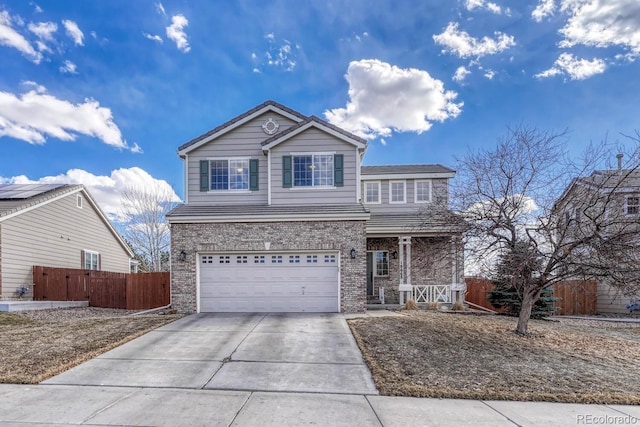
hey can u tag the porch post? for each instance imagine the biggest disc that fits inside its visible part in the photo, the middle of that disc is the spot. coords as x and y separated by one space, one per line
404 287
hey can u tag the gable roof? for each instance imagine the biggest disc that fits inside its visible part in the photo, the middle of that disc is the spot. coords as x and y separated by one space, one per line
16 199
238 121
318 123
406 171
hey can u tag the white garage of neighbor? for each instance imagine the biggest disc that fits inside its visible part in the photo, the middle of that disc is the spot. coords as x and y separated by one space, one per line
269 282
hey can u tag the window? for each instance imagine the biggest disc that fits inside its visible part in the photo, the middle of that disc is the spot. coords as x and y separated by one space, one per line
91 260
633 205
133 266
372 192
329 259
229 174
312 259
423 191
382 263
315 170
397 193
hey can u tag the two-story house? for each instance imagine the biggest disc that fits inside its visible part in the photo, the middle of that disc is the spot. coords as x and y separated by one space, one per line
280 215
601 207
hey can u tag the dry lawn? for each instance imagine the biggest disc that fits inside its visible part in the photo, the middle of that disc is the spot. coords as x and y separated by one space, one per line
36 345
431 354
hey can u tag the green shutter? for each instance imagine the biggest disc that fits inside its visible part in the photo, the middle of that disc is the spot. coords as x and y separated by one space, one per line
253 174
286 172
204 175
338 170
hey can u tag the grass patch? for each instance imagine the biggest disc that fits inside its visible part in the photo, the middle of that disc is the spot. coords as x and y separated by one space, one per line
427 354
33 350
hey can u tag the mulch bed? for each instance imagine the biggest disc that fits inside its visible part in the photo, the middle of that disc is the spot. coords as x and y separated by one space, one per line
431 354
35 345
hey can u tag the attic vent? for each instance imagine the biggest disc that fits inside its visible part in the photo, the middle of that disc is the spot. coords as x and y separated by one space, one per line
79 201
619 157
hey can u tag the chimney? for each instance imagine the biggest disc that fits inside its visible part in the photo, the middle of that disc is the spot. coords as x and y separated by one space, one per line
619 156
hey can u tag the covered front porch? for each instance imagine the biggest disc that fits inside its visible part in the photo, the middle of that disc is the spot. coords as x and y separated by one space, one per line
423 269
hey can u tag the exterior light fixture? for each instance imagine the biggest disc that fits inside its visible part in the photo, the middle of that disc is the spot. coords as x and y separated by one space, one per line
182 256
394 254
353 253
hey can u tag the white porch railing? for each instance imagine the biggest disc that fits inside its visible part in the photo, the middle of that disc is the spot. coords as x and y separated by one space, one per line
432 293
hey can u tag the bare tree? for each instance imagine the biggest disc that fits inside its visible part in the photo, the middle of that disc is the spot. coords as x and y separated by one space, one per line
144 227
526 191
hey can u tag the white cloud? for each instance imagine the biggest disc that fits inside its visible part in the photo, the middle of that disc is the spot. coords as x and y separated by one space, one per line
11 38
68 67
602 23
383 141
463 45
460 74
543 9
160 9
44 30
277 55
490 74
385 98
153 37
74 32
35 115
282 57
486 5
106 190
36 8
175 32
575 68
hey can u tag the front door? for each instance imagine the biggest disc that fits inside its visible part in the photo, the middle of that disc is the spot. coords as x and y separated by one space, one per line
370 273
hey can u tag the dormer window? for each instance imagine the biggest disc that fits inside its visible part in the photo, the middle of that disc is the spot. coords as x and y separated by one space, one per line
397 192
372 192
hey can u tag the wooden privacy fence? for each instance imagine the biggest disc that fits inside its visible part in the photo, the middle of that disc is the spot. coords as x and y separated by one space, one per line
575 297
131 291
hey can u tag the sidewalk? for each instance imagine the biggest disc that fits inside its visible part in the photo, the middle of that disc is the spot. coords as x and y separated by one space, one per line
90 405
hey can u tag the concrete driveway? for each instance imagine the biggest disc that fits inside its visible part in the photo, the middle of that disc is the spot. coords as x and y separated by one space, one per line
285 352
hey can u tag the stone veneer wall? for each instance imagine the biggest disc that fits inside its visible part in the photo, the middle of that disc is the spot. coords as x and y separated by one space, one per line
430 263
283 236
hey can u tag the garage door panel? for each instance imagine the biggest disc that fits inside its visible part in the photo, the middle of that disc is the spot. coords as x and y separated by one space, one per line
269 283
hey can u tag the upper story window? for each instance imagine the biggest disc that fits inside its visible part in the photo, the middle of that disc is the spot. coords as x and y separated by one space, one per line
321 170
230 174
423 191
633 205
313 170
397 192
372 192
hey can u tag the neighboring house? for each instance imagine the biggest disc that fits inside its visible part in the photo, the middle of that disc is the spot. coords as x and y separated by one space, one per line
612 196
54 225
279 215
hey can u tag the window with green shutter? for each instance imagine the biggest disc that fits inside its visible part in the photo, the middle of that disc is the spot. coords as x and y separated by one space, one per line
286 172
253 175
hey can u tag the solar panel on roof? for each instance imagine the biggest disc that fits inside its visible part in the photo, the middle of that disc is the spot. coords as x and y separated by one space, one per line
25 191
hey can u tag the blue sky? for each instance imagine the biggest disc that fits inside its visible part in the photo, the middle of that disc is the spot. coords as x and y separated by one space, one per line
103 92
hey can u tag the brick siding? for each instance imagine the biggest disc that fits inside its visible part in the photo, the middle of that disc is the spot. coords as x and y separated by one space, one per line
339 236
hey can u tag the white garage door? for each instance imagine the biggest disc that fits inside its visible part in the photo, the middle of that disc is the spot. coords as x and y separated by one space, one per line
274 282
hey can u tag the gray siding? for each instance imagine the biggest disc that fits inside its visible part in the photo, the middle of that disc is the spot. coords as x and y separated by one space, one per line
611 300
314 141
241 142
439 196
54 235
